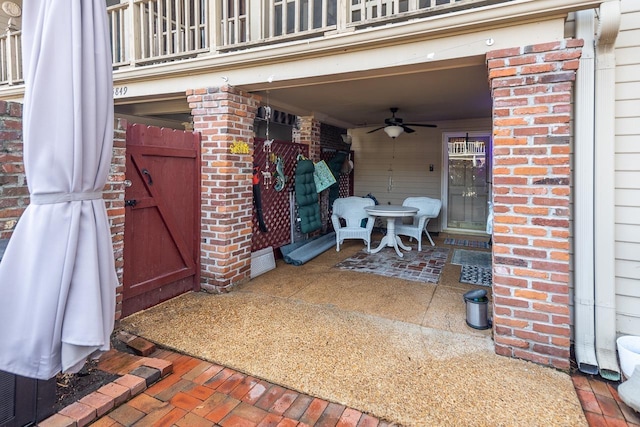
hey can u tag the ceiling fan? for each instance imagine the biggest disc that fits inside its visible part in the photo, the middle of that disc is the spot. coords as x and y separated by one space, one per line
394 126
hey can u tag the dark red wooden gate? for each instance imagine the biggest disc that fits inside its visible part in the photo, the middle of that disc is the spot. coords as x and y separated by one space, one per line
162 216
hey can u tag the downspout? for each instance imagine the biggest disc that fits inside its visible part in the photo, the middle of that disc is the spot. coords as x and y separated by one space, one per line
583 224
605 284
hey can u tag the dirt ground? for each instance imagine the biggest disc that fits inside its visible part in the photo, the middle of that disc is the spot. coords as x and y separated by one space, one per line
72 387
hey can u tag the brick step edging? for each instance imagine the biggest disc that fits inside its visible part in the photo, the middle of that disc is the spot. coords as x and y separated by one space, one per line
144 372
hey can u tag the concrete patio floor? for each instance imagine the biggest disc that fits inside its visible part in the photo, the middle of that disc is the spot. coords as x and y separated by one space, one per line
313 345
439 306
396 349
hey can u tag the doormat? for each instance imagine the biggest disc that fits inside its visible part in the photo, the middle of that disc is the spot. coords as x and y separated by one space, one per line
475 275
425 266
465 257
465 242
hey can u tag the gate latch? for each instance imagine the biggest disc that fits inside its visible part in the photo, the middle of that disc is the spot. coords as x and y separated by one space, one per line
131 203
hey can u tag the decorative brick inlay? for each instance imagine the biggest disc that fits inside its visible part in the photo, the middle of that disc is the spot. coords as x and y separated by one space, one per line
100 402
224 115
81 413
532 89
135 384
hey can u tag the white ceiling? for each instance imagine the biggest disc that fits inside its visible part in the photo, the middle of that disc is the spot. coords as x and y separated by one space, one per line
422 97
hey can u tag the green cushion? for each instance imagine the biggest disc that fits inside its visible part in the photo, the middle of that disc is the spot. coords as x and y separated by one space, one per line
307 197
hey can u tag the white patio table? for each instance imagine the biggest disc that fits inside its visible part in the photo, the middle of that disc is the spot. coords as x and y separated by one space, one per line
391 212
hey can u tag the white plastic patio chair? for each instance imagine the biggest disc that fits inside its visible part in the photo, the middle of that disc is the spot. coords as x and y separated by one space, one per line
350 210
428 208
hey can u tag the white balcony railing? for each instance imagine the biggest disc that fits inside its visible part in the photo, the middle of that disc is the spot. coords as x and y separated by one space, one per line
464 148
11 57
153 31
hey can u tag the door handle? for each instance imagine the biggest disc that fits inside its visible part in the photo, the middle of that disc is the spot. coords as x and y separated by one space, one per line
149 179
131 203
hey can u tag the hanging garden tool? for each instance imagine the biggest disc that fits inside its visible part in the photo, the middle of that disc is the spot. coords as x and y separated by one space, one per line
266 173
257 198
266 148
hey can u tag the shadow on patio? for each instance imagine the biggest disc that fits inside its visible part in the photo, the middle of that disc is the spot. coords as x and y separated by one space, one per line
397 349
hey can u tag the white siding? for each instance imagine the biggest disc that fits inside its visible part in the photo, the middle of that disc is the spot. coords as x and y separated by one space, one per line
627 215
410 175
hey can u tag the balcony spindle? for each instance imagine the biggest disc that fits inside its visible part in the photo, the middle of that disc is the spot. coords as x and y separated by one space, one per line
4 67
285 19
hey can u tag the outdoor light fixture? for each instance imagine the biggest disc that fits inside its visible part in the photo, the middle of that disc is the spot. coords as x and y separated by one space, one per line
393 131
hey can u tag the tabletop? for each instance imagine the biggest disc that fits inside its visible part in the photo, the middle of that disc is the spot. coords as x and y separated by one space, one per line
391 210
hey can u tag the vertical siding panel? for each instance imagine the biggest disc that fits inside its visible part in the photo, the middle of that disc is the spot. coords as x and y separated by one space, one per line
627 190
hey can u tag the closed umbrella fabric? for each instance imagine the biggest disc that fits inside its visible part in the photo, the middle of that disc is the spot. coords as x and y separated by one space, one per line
57 276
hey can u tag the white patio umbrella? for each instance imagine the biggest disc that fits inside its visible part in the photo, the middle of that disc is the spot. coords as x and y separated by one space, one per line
57 276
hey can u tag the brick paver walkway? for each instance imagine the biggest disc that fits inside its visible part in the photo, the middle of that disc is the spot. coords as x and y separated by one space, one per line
601 404
171 389
167 389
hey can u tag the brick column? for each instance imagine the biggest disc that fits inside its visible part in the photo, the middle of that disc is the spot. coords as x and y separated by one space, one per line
310 135
532 90
14 194
224 116
114 199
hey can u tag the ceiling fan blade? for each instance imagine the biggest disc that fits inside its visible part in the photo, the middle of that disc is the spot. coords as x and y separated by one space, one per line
421 125
407 129
371 131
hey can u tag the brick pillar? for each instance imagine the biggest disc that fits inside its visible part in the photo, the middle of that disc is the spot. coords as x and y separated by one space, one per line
310 135
224 116
114 199
532 91
14 194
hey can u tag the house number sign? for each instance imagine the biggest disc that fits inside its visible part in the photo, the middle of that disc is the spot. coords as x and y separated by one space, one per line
120 90
12 9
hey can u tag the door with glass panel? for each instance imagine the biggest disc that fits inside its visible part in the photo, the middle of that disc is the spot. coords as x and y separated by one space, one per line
468 181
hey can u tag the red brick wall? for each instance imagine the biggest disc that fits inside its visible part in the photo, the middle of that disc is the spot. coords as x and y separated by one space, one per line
14 195
114 199
224 115
310 135
532 90
330 137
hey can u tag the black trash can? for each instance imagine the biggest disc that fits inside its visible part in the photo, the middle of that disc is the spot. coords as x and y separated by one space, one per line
477 309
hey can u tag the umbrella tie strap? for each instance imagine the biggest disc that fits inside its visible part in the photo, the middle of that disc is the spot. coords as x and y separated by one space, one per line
52 198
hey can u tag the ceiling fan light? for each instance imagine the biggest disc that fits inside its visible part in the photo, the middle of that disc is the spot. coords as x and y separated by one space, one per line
393 131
